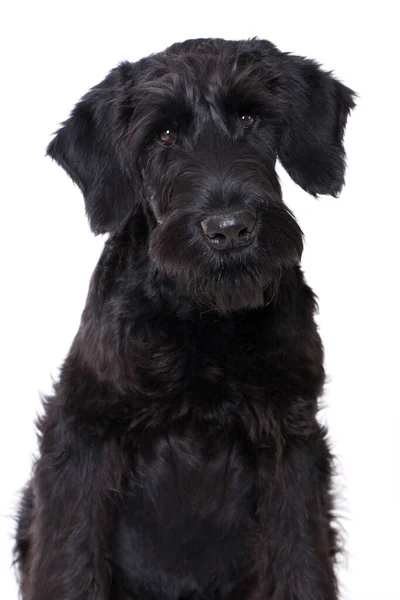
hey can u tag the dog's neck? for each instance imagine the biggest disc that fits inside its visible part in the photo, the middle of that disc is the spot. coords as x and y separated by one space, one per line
134 325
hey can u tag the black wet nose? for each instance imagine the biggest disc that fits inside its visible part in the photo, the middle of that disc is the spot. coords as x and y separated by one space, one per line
230 230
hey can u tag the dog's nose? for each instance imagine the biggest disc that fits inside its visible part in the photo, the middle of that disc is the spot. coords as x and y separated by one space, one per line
230 230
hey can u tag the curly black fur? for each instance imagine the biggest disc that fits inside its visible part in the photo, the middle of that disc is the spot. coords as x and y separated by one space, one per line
180 455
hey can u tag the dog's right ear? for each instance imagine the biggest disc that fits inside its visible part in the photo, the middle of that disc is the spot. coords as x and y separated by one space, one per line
90 146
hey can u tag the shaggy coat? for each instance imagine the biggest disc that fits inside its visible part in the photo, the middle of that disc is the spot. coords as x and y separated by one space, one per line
180 455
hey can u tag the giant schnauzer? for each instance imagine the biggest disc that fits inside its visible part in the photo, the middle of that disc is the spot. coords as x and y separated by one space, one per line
180 455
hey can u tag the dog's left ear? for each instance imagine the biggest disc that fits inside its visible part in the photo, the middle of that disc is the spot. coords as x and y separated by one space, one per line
91 148
311 145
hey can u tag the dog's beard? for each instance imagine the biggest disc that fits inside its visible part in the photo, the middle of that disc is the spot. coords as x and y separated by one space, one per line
223 280
226 292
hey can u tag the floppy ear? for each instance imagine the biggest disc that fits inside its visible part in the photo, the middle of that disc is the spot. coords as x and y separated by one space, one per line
90 146
311 146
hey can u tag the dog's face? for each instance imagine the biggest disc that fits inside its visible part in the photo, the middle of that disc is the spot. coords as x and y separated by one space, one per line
190 137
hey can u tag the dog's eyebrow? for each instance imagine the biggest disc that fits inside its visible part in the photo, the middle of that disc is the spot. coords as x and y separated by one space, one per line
156 104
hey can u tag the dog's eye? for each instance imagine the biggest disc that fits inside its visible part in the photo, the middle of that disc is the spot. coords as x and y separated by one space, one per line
247 121
167 136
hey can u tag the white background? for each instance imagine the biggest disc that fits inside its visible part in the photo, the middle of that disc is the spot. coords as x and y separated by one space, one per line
51 54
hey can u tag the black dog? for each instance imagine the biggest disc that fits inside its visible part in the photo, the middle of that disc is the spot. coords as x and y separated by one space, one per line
180 456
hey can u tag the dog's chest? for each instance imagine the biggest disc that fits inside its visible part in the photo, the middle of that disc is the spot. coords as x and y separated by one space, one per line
209 363
187 509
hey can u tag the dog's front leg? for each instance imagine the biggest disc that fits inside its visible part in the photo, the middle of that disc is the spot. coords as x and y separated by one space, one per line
76 487
299 539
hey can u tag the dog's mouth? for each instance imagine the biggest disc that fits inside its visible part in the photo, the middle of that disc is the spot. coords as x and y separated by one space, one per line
226 289
249 291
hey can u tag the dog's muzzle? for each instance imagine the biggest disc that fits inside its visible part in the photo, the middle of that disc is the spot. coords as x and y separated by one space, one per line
231 230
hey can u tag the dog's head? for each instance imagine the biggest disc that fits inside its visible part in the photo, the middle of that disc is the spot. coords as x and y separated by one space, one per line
190 137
